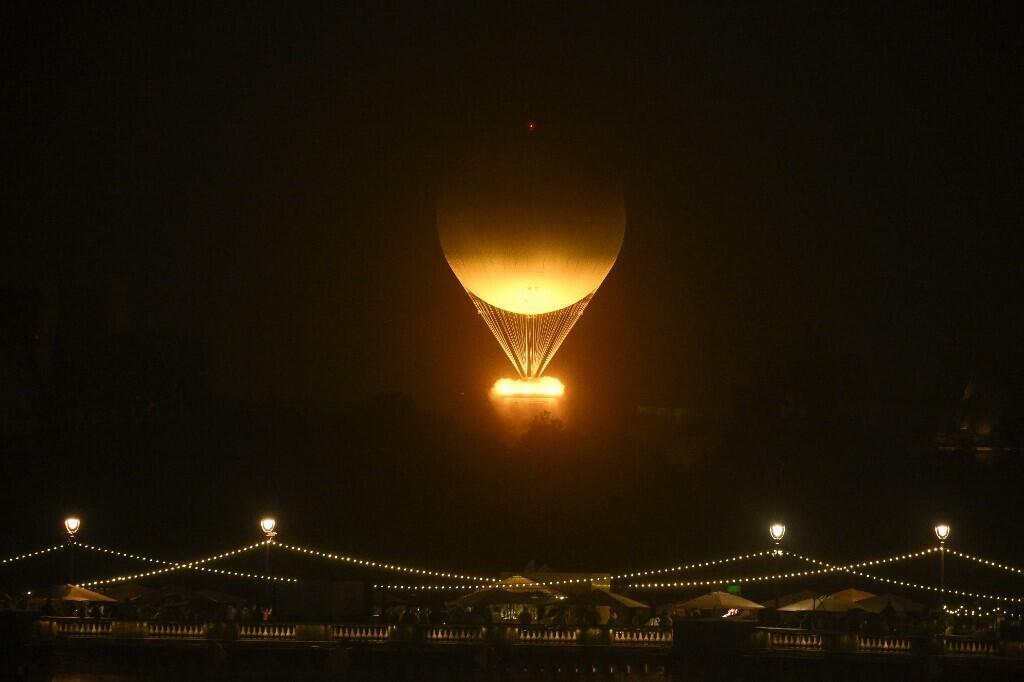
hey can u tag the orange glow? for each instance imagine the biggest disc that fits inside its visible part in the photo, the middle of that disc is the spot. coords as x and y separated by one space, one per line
529 242
544 387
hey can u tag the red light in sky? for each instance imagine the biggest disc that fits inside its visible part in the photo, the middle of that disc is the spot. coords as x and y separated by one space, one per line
531 126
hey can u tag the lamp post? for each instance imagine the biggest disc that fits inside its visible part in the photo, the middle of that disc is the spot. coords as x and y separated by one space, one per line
267 525
71 526
777 531
942 531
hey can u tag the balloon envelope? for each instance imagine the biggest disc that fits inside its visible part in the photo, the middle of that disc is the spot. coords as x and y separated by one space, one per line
530 232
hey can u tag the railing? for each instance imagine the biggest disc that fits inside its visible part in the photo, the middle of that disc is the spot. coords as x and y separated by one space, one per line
969 647
794 640
765 639
271 632
83 628
455 633
546 635
657 638
361 633
176 630
884 644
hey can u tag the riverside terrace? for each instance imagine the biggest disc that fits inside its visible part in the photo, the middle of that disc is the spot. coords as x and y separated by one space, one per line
134 643
48 648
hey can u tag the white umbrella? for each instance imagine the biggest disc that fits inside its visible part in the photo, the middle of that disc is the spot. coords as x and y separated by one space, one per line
852 594
513 590
899 604
597 597
826 604
716 601
76 593
791 598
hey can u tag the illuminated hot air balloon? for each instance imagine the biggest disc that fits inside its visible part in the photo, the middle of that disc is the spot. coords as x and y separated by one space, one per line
531 231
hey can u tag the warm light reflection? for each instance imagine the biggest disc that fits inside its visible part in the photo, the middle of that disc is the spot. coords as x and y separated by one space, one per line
544 387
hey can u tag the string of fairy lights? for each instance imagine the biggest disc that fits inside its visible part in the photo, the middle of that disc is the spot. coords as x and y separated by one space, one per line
139 557
904 583
196 564
826 568
674 569
985 562
126 555
774 576
965 610
384 566
29 555
477 581
591 578
682 567
484 582
473 582
852 568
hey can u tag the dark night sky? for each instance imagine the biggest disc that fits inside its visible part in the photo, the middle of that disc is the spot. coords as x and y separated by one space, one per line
829 194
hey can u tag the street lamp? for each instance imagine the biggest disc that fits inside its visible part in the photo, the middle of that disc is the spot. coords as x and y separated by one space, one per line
942 531
777 531
267 525
71 526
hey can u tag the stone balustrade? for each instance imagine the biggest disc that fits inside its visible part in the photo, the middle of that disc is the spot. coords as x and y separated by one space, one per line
266 632
501 635
548 635
885 644
177 630
84 628
962 646
635 637
794 640
455 633
361 633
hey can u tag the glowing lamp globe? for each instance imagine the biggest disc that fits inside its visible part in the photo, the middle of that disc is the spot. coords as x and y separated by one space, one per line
267 525
942 531
72 524
778 531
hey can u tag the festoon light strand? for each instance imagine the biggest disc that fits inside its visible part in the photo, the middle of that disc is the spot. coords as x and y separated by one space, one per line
196 564
829 568
904 583
384 566
985 562
574 581
29 555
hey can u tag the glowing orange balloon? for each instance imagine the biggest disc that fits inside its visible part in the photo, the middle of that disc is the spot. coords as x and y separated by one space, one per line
531 234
